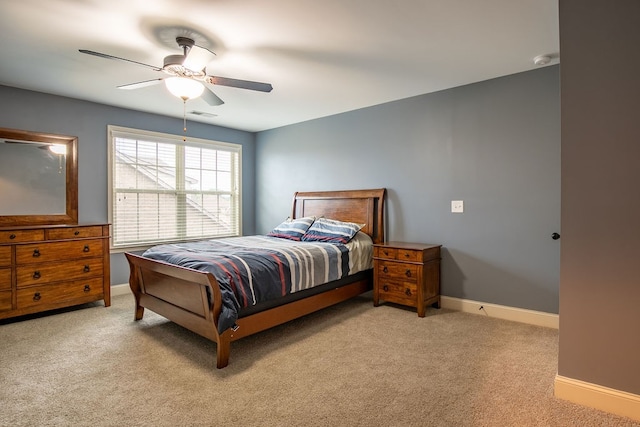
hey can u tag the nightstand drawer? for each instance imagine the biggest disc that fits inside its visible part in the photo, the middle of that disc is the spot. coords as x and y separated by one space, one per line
397 270
386 253
409 255
400 292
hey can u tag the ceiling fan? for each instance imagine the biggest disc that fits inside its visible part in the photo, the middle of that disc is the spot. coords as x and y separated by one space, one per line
186 73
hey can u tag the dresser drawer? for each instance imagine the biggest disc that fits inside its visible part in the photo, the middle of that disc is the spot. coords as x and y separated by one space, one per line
5 278
17 236
5 256
397 270
74 232
401 292
63 292
35 274
5 300
54 251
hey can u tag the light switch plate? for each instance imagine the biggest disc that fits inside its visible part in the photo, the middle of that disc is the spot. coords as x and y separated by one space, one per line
457 206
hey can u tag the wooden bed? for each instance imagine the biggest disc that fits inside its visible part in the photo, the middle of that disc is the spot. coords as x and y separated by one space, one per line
181 294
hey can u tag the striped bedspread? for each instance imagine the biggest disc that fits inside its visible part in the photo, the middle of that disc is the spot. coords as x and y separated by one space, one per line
253 269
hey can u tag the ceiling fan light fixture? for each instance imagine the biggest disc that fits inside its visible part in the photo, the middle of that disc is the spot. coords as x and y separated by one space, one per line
184 87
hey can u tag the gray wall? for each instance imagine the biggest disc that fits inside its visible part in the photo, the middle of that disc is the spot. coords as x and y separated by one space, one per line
21 109
495 145
600 271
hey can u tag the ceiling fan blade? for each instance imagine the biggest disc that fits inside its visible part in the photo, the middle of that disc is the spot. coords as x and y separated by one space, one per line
211 98
242 84
198 58
138 85
104 55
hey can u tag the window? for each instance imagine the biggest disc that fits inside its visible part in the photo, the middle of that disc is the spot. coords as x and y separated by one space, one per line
164 189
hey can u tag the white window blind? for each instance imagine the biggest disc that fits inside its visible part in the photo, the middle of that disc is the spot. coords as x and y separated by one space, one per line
164 189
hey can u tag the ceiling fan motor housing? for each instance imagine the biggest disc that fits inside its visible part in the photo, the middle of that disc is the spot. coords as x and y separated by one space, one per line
173 64
173 61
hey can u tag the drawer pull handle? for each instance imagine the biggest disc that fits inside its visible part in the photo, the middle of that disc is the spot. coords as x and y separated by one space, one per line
408 292
406 255
75 233
408 273
385 269
385 288
87 288
386 253
13 236
36 274
36 253
86 248
36 296
86 269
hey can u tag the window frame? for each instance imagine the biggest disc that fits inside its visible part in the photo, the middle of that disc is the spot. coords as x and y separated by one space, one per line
178 140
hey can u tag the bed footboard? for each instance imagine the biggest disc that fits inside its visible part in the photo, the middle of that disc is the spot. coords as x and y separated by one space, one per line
187 297
182 296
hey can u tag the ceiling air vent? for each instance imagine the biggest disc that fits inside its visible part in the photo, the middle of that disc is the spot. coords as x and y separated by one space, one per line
203 114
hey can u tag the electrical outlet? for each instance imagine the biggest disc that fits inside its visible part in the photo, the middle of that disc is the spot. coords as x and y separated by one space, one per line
457 206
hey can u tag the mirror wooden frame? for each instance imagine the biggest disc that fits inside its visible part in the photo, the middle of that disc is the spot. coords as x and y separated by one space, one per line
71 214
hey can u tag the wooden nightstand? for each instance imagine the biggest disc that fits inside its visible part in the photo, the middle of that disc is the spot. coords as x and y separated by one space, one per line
407 274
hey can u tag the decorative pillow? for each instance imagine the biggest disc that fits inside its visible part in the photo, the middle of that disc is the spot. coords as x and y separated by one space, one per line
331 230
292 229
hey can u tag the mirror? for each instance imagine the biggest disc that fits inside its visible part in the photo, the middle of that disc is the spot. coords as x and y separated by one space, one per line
38 178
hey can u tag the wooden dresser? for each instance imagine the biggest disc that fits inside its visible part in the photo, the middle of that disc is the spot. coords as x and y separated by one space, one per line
48 267
407 274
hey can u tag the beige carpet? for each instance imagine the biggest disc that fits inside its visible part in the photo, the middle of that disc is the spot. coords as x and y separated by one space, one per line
349 365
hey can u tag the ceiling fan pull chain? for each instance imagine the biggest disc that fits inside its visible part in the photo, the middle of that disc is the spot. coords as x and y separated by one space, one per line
184 115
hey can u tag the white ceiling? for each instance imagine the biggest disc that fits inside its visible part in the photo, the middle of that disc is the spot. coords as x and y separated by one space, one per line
322 57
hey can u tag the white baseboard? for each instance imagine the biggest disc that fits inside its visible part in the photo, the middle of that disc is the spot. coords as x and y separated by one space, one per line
598 397
122 289
532 317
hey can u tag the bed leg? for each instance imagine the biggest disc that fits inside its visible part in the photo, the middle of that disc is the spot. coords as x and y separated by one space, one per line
139 312
223 347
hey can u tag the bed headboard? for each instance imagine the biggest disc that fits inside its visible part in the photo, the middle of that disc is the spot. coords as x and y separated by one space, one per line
359 206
